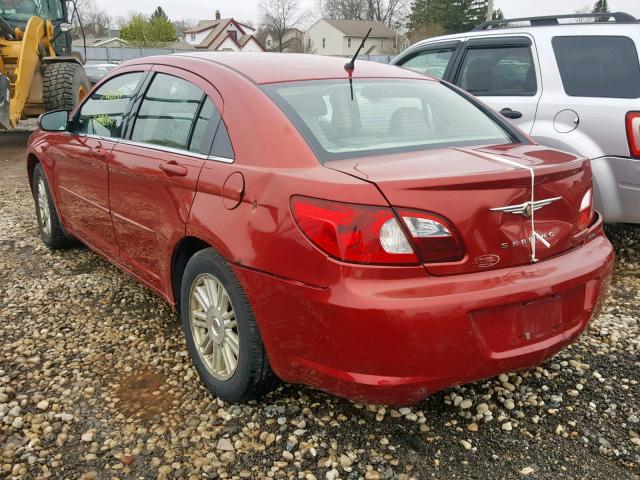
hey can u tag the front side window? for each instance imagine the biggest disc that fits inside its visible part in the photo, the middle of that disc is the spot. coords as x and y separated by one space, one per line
430 62
103 112
167 112
598 66
498 71
385 116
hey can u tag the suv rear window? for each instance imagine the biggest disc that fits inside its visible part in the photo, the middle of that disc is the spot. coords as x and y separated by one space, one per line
598 66
385 116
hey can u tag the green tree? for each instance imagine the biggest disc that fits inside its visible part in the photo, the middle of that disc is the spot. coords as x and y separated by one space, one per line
159 13
148 32
452 16
601 6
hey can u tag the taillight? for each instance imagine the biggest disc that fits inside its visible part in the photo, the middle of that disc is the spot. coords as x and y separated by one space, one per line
433 237
372 235
353 233
633 132
585 212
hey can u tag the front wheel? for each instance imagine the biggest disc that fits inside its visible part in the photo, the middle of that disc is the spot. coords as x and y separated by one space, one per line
221 331
51 230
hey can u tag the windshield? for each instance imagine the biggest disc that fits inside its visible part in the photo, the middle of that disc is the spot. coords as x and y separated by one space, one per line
385 116
23 10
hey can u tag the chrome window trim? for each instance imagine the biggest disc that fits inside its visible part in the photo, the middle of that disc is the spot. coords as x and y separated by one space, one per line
160 148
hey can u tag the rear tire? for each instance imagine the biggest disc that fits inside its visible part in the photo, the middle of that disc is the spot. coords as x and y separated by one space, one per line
64 85
219 325
51 231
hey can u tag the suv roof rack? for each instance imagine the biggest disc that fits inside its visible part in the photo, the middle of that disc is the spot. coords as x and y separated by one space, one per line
619 17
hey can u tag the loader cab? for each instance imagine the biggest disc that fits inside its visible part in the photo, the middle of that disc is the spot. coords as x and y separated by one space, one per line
18 12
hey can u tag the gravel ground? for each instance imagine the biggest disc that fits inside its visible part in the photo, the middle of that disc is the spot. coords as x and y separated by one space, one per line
95 382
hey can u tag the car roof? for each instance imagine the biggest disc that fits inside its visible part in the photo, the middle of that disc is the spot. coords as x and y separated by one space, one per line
262 67
577 29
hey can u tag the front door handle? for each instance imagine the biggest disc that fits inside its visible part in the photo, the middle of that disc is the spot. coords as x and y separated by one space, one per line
173 169
513 114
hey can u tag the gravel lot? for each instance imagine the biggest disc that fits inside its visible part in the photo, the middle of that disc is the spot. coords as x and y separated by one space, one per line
95 382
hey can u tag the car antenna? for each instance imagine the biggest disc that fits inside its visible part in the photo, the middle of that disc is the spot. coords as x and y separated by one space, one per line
351 65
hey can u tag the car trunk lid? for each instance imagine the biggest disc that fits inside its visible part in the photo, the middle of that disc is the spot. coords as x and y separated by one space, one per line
470 187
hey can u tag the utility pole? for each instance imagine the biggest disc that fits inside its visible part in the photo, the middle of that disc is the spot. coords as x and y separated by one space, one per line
490 11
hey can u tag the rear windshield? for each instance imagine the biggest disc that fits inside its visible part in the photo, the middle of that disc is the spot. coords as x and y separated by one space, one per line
598 66
385 116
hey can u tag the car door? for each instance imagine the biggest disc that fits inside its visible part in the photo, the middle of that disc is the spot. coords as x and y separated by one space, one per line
435 60
80 163
154 170
503 72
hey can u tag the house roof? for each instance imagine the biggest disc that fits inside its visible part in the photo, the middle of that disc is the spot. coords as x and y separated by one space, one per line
359 28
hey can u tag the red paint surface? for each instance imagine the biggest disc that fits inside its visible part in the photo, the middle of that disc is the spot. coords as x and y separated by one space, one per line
390 334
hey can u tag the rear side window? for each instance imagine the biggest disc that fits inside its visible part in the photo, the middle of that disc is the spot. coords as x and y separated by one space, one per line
598 66
498 71
168 112
432 62
102 114
204 128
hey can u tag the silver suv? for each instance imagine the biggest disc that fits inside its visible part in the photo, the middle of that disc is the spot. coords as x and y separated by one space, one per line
572 86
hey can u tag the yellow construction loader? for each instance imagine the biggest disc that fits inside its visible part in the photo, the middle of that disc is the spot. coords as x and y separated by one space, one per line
38 71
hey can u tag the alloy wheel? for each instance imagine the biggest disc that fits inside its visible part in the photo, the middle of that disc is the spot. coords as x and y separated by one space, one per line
43 207
213 326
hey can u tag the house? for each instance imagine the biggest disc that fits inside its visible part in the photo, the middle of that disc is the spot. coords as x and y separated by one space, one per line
328 36
222 34
292 41
113 42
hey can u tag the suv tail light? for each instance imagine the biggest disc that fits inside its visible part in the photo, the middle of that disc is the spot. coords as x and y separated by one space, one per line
585 213
373 235
633 133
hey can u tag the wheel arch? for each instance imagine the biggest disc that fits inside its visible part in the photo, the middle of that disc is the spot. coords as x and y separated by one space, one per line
32 161
184 249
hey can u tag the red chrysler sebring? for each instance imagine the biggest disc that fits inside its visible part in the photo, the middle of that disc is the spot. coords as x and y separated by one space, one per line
381 238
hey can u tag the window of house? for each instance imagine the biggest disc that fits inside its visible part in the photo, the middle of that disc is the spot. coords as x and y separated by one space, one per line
598 66
193 36
167 112
382 42
323 42
268 42
102 114
349 42
498 71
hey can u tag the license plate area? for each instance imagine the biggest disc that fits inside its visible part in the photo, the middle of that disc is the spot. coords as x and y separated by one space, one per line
516 325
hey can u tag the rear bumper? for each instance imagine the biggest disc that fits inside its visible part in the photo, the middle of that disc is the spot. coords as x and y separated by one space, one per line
397 340
617 188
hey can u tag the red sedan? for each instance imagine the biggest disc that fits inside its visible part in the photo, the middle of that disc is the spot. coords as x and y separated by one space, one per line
379 239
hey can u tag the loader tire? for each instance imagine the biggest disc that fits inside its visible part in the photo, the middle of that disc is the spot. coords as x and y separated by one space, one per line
64 85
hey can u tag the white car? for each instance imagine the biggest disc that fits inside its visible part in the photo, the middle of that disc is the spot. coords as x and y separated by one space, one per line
570 81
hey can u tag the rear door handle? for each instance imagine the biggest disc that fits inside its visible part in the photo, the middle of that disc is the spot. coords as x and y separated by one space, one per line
513 114
173 169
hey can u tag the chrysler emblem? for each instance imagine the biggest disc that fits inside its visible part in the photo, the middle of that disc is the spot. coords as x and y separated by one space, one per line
527 208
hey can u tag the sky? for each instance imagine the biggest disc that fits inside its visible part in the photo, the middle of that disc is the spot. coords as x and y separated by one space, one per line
247 10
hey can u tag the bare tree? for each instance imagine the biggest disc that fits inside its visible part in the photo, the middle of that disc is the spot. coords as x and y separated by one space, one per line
278 17
390 12
183 24
95 20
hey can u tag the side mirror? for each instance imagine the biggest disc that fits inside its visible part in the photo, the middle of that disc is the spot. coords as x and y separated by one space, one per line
55 121
65 27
